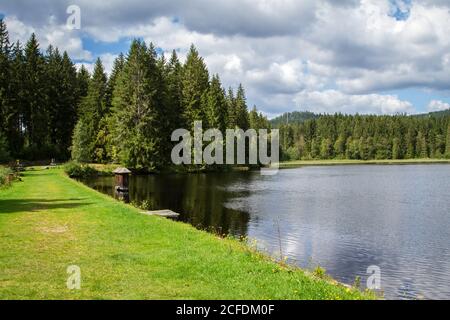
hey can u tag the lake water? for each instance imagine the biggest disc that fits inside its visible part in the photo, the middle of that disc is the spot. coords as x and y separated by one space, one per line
343 218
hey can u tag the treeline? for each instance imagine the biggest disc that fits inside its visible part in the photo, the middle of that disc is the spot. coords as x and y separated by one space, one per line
48 109
366 137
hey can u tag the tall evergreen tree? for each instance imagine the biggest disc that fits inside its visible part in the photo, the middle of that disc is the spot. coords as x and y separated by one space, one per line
421 146
93 108
136 136
118 65
83 78
174 91
241 115
232 109
35 113
195 83
216 107
7 110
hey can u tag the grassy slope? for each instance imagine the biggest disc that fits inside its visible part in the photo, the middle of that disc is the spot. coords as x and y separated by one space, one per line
299 163
48 222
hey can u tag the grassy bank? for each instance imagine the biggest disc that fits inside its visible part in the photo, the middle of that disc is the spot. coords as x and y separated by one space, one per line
48 222
300 163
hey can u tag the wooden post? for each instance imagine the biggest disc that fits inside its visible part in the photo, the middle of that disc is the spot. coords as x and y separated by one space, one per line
122 180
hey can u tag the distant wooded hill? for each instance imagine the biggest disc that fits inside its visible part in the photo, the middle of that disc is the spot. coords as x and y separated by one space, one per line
296 117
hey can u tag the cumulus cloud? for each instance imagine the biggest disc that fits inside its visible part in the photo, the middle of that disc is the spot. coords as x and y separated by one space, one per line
324 101
50 33
437 105
288 54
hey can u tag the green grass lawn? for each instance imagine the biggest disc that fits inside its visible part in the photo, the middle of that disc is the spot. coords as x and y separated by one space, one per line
299 163
48 222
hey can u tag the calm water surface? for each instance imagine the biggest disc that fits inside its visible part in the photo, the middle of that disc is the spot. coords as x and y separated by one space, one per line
343 218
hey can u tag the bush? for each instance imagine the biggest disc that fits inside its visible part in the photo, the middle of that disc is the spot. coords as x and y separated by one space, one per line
4 176
76 170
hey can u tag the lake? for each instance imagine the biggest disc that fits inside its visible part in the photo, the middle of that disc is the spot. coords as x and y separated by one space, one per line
343 218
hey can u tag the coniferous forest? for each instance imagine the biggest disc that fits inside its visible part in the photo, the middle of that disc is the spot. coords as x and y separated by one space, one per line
49 109
367 137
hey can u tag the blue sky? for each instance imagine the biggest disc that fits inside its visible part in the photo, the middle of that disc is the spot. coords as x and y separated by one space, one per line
366 56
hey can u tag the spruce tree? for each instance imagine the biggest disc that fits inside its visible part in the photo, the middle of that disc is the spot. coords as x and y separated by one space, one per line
83 78
232 110
16 124
174 91
216 107
421 146
241 115
119 63
135 130
195 83
93 108
35 113
6 109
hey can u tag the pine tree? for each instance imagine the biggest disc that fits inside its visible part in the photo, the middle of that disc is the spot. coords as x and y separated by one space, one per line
231 106
93 108
83 78
396 149
254 120
195 83
410 144
118 65
16 123
216 107
339 147
241 115
173 75
35 113
6 110
421 146
135 132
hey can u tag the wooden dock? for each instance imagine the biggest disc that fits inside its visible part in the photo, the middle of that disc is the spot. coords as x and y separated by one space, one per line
162 213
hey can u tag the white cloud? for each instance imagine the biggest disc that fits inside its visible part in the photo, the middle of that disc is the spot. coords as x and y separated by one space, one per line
286 53
57 35
324 101
437 105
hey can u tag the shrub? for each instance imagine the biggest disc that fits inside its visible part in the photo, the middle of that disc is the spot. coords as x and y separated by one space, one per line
4 176
76 170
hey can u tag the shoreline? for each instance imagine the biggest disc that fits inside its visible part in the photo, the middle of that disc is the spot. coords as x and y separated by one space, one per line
311 163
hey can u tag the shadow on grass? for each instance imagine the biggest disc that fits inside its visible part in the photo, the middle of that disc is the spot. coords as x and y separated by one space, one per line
35 205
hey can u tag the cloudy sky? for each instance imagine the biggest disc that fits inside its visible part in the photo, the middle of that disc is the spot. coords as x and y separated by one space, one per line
366 56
